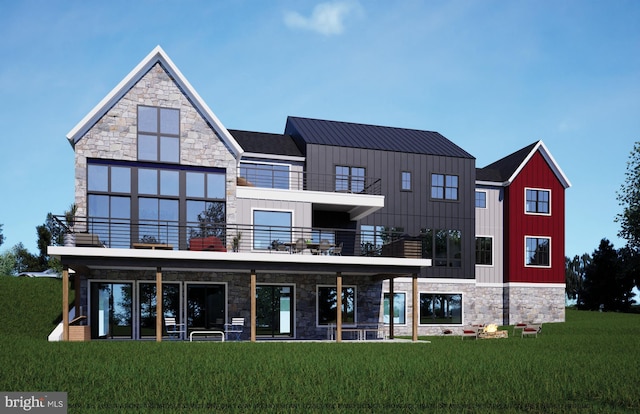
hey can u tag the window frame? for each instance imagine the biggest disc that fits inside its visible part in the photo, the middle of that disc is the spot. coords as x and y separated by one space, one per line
158 136
402 317
491 252
477 192
350 179
432 294
430 245
256 228
536 201
266 167
355 306
444 187
526 252
406 178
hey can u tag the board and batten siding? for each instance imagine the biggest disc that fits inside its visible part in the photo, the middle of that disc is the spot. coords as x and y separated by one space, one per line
411 210
301 216
489 223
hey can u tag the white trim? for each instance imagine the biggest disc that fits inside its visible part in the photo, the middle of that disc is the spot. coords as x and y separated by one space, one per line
486 199
535 213
535 285
549 158
527 236
157 55
269 210
272 157
447 292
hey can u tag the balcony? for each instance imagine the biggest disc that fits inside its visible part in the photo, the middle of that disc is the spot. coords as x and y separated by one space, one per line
225 237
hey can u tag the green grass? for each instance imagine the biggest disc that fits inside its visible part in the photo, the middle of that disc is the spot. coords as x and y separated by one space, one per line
588 364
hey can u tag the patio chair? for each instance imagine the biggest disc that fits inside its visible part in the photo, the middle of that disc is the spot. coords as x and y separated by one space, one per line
300 245
174 330
324 246
337 251
234 329
470 332
532 329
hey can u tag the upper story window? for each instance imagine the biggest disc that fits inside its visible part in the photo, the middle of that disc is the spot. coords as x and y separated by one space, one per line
265 175
444 187
350 179
405 181
484 250
158 134
538 251
444 247
537 201
271 228
481 199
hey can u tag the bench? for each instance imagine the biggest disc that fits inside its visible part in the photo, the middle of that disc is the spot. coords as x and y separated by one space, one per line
531 329
206 334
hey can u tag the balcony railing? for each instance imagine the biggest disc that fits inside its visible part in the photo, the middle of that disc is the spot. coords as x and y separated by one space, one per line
284 179
225 237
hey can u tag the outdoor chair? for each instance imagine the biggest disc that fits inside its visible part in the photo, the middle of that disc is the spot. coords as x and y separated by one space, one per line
300 245
519 326
470 332
532 329
174 330
337 251
234 329
324 246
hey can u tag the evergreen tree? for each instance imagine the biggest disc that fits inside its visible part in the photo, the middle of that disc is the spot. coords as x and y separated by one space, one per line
1 235
629 198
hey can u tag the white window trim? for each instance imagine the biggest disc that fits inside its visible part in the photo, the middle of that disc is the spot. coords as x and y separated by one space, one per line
486 199
355 305
533 213
275 210
448 292
525 252
493 250
406 296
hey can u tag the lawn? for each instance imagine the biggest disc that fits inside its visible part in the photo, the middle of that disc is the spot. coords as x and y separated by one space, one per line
588 364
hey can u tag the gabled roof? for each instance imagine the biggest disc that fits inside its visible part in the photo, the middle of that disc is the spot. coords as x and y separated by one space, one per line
505 170
157 55
258 143
346 134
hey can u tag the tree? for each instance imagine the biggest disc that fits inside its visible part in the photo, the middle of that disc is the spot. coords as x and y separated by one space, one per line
628 197
25 261
1 235
606 284
574 274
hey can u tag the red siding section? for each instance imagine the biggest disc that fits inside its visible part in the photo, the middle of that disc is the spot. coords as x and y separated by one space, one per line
535 174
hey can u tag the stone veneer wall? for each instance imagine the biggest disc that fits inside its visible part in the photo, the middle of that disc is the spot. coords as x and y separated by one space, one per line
305 286
536 304
114 136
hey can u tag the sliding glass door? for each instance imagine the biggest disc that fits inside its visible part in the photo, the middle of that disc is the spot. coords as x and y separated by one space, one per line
205 306
111 310
274 310
147 306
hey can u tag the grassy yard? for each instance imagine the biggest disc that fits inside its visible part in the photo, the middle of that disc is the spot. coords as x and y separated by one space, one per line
588 364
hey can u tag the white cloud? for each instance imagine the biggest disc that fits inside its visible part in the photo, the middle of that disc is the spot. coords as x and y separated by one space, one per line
326 18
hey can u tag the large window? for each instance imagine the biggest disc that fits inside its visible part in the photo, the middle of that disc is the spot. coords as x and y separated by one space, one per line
158 134
537 201
266 175
271 228
145 202
350 179
147 301
372 238
440 309
399 308
444 247
444 187
481 199
484 250
328 304
538 251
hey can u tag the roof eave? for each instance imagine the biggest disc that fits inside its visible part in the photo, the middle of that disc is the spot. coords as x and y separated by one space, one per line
544 151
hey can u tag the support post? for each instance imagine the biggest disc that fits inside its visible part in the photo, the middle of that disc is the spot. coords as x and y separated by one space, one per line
253 305
414 317
391 315
65 303
339 307
159 311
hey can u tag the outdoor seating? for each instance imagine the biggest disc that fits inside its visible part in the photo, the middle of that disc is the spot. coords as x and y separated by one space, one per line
210 243
234 329
299 246
337 251
531 329
470 332
324 246
174 330
519 326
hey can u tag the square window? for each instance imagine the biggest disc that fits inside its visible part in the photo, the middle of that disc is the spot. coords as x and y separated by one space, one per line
98 178
328 303
537 201
169 149
538 251
444 187
481 199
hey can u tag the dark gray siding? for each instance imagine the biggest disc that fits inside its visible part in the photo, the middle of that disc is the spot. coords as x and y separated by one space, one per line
412 210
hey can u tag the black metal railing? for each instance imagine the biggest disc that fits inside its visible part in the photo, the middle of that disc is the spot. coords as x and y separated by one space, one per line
262 177
226 237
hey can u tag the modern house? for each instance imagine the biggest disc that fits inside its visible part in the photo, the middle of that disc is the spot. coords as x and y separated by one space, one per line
393 227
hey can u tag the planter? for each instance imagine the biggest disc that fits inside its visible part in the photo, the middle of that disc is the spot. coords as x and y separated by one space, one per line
69 240
80 333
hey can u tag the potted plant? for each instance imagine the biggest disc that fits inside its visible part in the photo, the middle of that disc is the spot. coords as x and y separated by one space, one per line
235 243
70 219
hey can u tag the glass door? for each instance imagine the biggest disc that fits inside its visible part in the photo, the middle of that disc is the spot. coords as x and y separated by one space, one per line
205 307
147 306
111 310
274 311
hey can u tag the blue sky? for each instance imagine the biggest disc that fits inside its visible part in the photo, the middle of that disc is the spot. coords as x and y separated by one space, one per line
492 76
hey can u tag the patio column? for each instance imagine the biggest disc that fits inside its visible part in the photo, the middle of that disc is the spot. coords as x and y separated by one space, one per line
65 303
159 311
339 307
391 295
414 311
253 305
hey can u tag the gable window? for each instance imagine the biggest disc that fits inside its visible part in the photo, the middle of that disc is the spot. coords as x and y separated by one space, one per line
440 308
350 179
481 199
484 250
328 303
537 251
444 187
537 201
158 134
443 247
405 181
